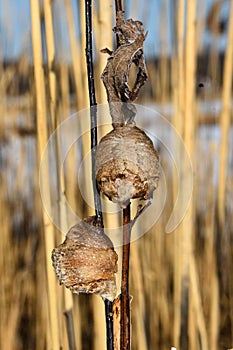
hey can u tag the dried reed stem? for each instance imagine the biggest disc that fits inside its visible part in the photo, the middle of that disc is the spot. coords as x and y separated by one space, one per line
103 28
225 120
197 305
189 125
68 299
140 296
178 123
77 64
190 290
50 57
42 137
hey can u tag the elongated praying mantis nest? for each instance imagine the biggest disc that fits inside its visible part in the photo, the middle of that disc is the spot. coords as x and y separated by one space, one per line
86 261
127 165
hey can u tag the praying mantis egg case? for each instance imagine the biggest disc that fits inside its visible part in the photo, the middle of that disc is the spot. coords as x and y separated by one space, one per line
127 165
86 261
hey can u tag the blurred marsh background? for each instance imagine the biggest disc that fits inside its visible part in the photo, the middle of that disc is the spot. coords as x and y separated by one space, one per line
181 282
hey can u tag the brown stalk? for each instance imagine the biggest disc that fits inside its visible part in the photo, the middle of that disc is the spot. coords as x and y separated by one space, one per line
125 298
42 138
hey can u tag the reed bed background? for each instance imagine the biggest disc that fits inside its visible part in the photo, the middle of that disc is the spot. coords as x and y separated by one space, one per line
181 282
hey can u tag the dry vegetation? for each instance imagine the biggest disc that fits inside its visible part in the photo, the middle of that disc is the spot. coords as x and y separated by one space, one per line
181 283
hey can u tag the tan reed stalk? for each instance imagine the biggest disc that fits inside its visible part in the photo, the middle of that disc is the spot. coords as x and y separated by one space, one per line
225 121
214 312
42 137
210 287
190 277
43 337
64 105
190 67
163 60
163 305
50 57
64 111
139 314
213 64
197 305
178 117
103 36
193 332
150 274
178 89
188 136
167 273
153 287
78 60
68 300
82 54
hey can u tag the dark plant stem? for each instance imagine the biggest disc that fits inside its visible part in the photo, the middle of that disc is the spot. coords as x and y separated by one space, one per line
109 324
118 5
118 8
94 140
93 104
125 298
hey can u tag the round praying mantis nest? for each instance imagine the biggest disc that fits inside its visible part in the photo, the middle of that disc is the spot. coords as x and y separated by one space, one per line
127 165
86 261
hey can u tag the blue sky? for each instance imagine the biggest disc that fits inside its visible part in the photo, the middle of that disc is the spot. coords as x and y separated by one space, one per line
15 36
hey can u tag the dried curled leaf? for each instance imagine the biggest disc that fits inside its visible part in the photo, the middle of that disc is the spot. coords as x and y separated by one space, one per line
86 262
116 73
127 165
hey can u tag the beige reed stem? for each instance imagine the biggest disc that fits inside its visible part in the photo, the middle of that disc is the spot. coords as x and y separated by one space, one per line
225 120
42 137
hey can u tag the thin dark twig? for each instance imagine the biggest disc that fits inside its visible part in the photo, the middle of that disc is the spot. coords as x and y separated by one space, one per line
118 8
93 105
109 324
118 5
125 298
